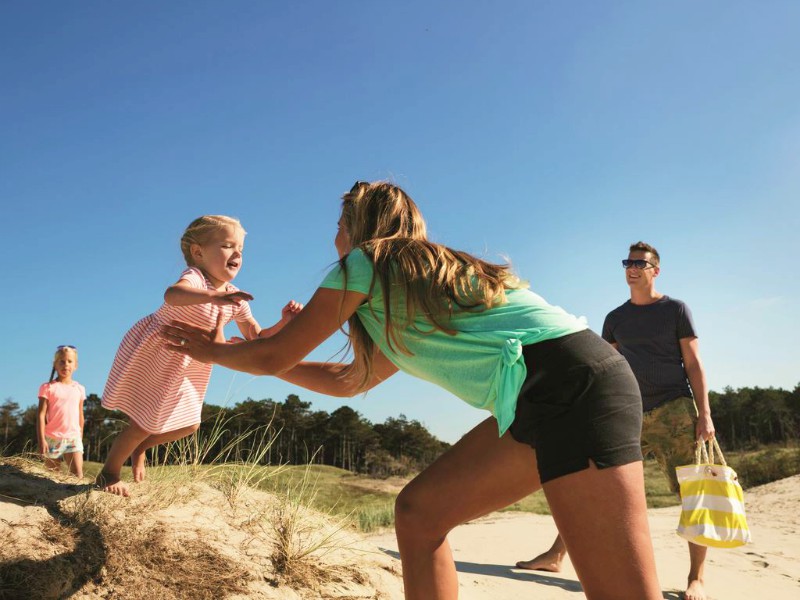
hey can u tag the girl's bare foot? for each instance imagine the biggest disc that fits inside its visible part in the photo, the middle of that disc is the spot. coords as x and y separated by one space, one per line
548 561
111 483
137 465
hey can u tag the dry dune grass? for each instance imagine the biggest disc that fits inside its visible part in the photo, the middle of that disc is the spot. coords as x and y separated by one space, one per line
177 538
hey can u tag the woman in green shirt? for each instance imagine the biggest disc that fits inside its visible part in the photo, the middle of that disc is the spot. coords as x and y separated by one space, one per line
565 408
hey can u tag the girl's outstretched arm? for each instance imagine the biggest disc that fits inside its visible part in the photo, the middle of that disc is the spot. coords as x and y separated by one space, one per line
251 330
183 294
321 317
288 312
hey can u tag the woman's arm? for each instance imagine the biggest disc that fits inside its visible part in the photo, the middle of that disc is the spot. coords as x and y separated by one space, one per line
327 378
322 316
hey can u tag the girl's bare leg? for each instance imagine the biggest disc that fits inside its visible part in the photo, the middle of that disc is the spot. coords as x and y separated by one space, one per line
109 478
74 461
138 455
53 464
479 474
601 515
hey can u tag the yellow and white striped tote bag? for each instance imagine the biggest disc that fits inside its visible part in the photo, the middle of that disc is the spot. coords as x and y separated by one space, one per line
712 512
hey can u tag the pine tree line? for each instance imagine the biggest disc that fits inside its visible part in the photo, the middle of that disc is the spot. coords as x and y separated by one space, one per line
745 418
299 435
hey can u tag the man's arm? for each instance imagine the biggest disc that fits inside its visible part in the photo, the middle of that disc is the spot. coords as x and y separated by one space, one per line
690 351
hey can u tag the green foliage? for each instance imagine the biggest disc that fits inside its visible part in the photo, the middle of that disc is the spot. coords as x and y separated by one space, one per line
291 433
751 417
535 503
764 465
656 486
374 518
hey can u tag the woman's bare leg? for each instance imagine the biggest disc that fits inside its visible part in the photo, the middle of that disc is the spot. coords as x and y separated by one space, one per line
479 474
138 456
601 515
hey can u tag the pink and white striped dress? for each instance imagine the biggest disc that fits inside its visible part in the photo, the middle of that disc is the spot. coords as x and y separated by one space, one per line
158 389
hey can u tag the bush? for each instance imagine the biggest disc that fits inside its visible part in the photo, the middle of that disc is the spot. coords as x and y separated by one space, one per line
766 465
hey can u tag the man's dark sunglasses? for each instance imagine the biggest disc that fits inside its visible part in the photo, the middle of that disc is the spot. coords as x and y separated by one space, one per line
636 263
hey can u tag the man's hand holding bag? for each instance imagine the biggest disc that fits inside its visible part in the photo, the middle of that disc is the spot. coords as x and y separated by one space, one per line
712 501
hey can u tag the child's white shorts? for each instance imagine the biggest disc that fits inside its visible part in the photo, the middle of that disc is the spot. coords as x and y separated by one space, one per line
58 447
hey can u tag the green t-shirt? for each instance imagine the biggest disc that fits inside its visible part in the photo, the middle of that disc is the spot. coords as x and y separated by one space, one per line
482 363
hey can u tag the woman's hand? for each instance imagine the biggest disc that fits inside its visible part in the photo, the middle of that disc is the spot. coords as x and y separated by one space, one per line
192 341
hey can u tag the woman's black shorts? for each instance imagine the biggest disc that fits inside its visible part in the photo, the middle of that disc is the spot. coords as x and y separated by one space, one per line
579 401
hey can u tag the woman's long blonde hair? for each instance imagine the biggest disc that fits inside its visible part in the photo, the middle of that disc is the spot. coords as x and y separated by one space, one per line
385 223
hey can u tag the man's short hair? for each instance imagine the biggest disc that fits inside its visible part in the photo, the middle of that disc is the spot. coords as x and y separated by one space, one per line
645 247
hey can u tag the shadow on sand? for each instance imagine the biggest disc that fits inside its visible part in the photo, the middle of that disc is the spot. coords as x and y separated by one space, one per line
62 575
568 585
508 573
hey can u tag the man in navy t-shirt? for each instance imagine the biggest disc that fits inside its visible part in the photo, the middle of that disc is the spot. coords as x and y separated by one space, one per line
656 334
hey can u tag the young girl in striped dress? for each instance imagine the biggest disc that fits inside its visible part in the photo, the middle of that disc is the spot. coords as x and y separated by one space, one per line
59 423
162 392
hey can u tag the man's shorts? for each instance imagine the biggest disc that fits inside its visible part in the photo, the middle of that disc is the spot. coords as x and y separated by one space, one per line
579 402
58 447
668 433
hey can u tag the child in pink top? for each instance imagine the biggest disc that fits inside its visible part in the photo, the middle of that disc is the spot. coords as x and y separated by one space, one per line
59 426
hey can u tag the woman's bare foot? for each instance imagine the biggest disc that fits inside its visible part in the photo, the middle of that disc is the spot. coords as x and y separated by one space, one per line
695 591
111 483
138 465
547 561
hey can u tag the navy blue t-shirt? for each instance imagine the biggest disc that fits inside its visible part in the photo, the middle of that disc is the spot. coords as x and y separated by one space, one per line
648 337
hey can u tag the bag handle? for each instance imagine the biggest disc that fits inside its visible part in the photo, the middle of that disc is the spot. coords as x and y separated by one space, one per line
703 456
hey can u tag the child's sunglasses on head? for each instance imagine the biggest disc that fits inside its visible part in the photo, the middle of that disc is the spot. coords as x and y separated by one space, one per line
66 346
357 185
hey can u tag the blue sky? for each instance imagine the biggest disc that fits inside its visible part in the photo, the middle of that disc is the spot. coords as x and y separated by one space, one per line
551 133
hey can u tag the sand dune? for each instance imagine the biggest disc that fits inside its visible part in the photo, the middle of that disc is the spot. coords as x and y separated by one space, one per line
191 539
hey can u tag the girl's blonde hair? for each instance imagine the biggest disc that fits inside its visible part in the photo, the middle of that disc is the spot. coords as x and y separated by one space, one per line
200 231
60 351
385 223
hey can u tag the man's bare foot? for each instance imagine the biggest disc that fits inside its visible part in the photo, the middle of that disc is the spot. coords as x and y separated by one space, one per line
695 591
137 465
548 561
111 483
